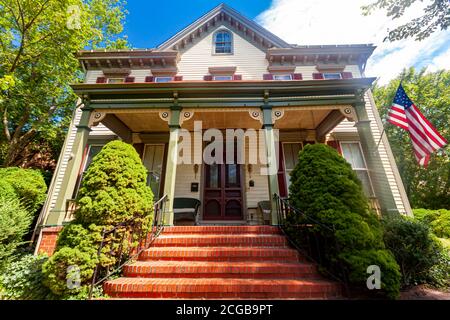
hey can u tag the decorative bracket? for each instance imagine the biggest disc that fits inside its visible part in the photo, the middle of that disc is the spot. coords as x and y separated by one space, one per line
96 118
256 115
349 113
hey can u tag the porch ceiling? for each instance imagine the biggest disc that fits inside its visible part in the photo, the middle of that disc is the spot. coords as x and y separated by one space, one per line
298 119
143 122
221 119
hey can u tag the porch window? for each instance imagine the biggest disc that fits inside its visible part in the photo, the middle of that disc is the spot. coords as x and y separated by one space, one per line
332 75
222 42
282 77
352 152
290 153
163 79
93 150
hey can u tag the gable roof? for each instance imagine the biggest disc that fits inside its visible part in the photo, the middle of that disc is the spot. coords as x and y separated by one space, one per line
234 20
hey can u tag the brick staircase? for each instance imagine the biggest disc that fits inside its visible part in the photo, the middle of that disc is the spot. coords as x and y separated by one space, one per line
216 262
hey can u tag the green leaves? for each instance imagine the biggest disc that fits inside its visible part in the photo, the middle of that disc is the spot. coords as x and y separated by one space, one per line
39 40
430 187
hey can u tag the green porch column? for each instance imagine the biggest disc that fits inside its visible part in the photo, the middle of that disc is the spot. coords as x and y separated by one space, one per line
171 164
271 148
56 215
378 175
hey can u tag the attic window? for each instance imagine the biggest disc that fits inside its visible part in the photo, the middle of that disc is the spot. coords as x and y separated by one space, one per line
116 80
282 77
222 42
332 75
163 79
222 78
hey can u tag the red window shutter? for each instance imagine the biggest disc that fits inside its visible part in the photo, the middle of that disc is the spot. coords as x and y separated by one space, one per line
208 78
129 79
335 145
237 77
101 80
149 79
317 76
178 78
297 76
268 76
346 75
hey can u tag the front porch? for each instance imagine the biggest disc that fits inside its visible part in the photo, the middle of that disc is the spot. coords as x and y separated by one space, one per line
172 127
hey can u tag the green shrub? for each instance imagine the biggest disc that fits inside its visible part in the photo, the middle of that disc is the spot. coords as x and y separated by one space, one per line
326 189
57 275
113 192
114 188
28 184
437 220
6 190
414 248
22 280
14 224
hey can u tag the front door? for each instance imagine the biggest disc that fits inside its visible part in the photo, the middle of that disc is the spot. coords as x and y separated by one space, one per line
222 196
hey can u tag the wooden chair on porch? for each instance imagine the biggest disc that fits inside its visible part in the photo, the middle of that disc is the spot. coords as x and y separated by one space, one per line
185 211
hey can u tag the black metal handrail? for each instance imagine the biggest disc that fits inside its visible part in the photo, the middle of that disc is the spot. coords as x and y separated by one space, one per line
131 238
303 234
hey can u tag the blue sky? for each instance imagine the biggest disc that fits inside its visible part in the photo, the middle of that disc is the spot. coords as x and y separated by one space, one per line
150 23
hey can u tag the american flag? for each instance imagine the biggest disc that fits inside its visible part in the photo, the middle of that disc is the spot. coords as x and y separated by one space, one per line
425 138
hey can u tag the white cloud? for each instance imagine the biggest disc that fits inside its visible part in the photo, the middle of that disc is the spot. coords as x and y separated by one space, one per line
441 61
341 22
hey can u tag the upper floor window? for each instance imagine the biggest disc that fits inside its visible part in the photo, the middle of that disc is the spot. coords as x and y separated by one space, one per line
163 79
282 77
222 78
332 75
223 42
116 80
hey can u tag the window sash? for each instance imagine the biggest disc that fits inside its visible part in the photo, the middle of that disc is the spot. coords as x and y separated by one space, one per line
282 77
116 80
222 42
163 79
332 75
222 78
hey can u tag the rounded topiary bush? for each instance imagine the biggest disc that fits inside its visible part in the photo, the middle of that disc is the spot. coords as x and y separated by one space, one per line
7 190
326 189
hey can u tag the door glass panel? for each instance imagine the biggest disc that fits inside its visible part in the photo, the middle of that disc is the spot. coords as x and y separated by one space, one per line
290 152
214 176
232 175
153 161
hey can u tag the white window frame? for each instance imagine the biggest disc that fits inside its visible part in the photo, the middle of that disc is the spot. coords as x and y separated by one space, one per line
228 78
77 187
282 75
121 80
332 73
214 47
287 172
158 79
364 160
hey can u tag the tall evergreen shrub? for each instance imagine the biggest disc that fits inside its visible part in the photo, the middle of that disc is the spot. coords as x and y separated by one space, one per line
325 188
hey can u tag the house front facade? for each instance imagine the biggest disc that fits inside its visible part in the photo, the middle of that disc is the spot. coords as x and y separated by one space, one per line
225 76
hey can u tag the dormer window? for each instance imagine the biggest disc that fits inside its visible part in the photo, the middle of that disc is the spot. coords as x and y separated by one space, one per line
223 42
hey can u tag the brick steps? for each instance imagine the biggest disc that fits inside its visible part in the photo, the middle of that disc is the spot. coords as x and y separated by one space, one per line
221 254
208 240
221 230
221 262
220 288
212 269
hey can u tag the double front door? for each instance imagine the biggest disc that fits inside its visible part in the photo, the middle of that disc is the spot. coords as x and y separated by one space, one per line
222 197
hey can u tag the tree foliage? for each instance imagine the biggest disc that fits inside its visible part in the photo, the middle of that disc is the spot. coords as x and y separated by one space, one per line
436 15
326 189
426 187
39 40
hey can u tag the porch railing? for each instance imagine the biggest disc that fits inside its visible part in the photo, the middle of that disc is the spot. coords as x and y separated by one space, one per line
124 243
313 239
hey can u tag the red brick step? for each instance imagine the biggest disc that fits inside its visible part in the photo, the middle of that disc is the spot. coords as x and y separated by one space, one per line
220 288
209 269
240 240
221 254
228 230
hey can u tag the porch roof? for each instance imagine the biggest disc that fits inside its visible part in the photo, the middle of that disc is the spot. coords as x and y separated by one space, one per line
224 93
